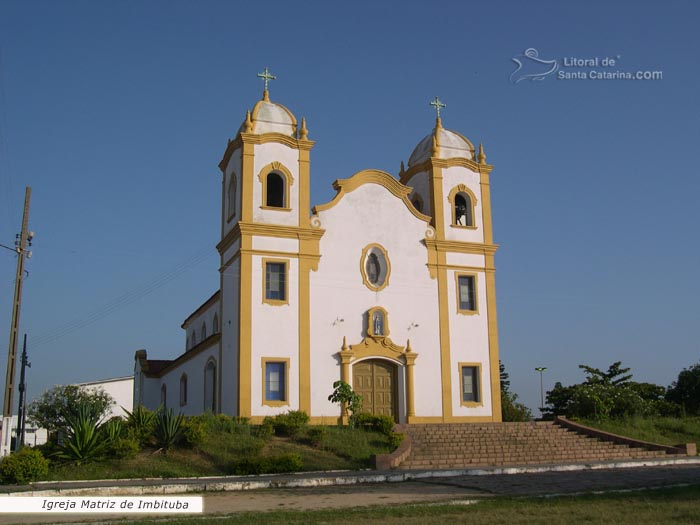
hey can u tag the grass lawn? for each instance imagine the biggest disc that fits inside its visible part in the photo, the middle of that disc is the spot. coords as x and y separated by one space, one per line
341 448
679 505
662 430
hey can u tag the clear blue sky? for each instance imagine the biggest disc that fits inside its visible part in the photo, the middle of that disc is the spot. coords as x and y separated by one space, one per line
117 113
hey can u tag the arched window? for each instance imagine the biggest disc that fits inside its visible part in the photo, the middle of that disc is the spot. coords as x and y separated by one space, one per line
204 330
210 386
194 338
183 389
275 190
215 324
231 196
164 396
463 210
276 181
463 203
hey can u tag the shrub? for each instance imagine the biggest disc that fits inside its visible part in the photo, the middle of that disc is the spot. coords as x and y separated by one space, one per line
316 435
167 428
193 431
266 430
395 439
383 424
24 466
289 424
291 462
124 448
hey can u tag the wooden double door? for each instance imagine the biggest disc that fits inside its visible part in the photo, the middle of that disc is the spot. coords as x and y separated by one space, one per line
376 381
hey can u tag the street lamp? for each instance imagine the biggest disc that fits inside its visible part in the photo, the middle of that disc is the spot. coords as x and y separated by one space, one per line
541 369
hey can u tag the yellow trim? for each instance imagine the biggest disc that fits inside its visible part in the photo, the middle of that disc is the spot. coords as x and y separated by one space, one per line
425 420
385 268
285 401
245 313
275 302
440 259
491 296
444 163
462 188
462 402
442 246
382 178
370 327
309 256
281 170
264 138
475 283
242 228
233 183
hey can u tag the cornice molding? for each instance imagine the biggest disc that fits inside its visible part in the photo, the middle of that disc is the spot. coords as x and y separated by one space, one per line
371 176
461 247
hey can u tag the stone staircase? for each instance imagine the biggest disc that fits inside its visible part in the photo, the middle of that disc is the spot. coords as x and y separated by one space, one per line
469 445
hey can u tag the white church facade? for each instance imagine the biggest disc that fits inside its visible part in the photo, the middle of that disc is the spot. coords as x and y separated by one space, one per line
390 287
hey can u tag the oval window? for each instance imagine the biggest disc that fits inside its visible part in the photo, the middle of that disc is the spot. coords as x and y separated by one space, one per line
375 267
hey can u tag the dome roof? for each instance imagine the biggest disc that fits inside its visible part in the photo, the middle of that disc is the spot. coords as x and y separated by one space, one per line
451 144
271 117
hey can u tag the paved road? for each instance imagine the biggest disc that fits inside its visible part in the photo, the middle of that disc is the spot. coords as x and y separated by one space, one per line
428 490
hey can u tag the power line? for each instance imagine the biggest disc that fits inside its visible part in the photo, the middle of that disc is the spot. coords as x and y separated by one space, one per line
120 301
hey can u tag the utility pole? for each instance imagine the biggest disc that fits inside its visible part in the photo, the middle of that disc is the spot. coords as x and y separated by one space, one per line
24 238
22 410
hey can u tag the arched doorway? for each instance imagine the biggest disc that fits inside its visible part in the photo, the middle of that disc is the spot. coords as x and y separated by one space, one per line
376 381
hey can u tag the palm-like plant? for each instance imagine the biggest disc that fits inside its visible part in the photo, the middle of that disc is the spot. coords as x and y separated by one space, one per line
84 442
167 427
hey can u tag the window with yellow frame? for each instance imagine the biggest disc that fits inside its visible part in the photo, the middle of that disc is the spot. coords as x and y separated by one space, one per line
275 282
275 381
470 384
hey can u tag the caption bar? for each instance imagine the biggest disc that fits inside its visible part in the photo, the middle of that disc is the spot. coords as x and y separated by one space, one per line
105 505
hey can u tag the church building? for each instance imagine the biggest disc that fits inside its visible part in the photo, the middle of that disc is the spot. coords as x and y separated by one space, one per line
389 287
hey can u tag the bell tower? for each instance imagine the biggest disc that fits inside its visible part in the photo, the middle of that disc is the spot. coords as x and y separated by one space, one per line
267 249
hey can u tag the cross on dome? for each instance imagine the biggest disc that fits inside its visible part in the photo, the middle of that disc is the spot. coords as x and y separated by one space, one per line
437 105
266 76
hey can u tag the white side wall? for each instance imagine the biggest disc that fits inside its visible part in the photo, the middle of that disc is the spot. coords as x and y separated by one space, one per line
194 369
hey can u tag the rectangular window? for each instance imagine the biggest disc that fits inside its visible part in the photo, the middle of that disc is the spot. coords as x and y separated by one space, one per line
276 281
275 381
471 392
466 293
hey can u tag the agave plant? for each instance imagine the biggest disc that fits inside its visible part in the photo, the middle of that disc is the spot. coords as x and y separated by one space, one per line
140 421
84 441
112 429
167 427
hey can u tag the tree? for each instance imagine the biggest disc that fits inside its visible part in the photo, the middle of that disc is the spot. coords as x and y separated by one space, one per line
615 375
686 390
511 409
55 407
610 394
